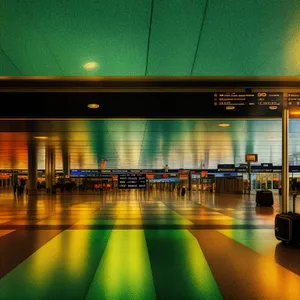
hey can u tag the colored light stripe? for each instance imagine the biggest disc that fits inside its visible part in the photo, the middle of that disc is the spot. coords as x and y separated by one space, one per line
124 271
61 269
179 268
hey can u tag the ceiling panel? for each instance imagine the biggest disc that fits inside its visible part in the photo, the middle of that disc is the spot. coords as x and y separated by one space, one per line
257 38
174 36
6 65
112 33
23 43
239 37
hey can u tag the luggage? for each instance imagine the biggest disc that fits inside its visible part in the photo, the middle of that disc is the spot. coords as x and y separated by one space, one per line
287 227
264 198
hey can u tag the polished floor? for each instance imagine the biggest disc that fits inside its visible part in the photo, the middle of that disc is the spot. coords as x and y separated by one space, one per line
143 245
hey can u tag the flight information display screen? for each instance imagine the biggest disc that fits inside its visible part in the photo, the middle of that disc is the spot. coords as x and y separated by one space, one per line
132 181
251 104
293 99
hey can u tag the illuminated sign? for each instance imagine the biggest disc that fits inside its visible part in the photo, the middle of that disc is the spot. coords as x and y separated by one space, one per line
204 173
251 104
183 176
150 176
251 157
293 99
132 181
226 168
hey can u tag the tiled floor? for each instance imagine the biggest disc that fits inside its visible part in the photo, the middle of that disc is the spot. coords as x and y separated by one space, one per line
140 245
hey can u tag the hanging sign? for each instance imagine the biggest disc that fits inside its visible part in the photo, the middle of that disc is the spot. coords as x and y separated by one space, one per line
251 157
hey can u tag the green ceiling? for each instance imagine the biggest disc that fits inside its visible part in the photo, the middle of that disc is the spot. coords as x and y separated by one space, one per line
147 143
145 37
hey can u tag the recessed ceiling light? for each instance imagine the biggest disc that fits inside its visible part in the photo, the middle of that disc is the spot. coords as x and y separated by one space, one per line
273 107
93 105
41 137
230 107
224 125
90 65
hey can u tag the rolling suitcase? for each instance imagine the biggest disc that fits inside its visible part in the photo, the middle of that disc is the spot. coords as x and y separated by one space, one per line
264 198
287 226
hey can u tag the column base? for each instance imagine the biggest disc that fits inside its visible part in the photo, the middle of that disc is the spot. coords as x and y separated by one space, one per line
32 192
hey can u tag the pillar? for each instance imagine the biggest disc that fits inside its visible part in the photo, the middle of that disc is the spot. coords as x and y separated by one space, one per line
50 167
32 168
285 161
190 181
66 162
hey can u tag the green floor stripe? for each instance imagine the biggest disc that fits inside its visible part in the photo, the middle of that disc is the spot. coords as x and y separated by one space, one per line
259 240
61 269
179 268
124 271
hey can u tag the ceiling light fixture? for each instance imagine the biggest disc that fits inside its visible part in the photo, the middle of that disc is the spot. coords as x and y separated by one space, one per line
90 65
41 137
224 125
273 107
93 105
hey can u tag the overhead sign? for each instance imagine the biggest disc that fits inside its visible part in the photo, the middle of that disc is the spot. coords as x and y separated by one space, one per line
262 169
213 105
183 176
252 104
132 181
251 157
267 165
226 168
293 99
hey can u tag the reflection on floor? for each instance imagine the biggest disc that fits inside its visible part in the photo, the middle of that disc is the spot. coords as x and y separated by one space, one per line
142 245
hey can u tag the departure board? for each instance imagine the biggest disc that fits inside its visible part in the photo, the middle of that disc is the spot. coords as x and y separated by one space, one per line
293 99
226 168
132 181
253 104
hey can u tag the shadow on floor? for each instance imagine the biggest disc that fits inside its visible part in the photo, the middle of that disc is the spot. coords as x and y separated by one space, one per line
288 256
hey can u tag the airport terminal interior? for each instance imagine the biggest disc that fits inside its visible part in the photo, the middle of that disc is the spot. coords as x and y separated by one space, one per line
137 141
145 208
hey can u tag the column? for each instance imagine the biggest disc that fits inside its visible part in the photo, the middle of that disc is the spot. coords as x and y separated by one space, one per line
190 181
50 167
285 160
32 168
66 162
